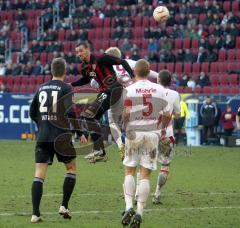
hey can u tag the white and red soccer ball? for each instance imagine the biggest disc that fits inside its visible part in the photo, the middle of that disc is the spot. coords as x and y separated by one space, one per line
161 13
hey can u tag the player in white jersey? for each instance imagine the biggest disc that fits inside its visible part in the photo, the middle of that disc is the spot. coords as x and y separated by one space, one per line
144 103
166 146
114 114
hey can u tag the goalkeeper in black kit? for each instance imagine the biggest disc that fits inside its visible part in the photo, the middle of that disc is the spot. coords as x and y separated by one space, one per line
100 68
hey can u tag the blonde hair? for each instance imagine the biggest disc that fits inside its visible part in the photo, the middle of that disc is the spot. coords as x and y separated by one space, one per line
142 68
114 51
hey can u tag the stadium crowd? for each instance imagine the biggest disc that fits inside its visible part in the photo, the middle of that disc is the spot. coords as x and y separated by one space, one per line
196 40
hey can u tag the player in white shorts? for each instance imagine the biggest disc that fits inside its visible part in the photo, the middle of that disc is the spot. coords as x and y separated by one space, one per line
114 114
144 103
166 146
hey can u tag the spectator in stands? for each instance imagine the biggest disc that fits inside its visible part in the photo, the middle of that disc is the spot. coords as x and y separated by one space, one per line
125 12
38 68
118 33
49 47
189 56
135 55
202 55
228 118
196 8
86 24
208 113
2 48
175 81
166 44
160 33
5 27
209 18
153 46
16 69
192 21
8 69
184 80
211 55
171 21
47 19
230 18
46 69
35 46
83 35
182 20
216 20
51 35
135 48
191 83
218 43
41 47
229 42
20 16
2 69
126 46
73 36
118 22
180 55
127 34
147 33
217 31
203 80
109 12
233 30
57 46
3 36
27 69
202 31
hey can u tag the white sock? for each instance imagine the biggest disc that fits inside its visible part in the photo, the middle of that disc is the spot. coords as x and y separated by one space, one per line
143 192
137 185
129 189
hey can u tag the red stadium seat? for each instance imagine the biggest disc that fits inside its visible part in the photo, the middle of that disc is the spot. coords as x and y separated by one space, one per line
235 90
98 33
145 22
214 80
207 89
221 55
205 67
137 32
222 67
106 34
61 35
178 43
202 18
144 44
232 66
91 34
216 90
107 22
14 57
161 66
233 79
224 80
226 90
198 90
47 78
238 54
196 67
170 67
66 47
154 67
214 67
235 6
231 55
186 43
32 80
97 45
24 80
187 68
238 42
226 6
39 79
43 58
178 68
137 21
97 22
195 43
17 80
153 23
187 90
180 89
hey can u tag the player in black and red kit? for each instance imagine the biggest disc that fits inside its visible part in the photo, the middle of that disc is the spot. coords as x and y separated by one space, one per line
99 67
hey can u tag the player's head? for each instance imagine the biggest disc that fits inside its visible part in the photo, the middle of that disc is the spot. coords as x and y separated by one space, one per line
58 68
114 51
142 68
164 78
83 51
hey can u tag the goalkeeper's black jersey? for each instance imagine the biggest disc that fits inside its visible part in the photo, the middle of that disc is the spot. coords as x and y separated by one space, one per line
50 108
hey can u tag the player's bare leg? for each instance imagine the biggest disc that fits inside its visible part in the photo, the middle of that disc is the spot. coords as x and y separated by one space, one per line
162 179
37 190
143 192
68 187
129 190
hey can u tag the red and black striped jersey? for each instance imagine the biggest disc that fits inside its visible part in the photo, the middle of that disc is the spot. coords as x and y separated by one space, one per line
101 69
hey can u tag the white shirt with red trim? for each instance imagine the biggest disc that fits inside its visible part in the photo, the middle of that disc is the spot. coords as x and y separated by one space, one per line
146 101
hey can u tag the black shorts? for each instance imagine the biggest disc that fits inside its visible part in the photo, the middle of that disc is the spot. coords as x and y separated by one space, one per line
102 103
45 151
178 123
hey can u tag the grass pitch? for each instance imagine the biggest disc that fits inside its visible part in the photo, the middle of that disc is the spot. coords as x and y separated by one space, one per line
203 190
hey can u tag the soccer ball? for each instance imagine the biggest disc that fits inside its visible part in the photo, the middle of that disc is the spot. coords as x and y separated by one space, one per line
161 13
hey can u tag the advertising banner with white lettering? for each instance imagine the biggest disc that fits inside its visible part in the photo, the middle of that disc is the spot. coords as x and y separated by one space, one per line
14 115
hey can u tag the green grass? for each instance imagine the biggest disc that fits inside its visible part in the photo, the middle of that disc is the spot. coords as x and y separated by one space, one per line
203 190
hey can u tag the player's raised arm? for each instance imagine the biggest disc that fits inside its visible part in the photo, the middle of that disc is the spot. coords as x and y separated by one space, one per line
112 60
82 81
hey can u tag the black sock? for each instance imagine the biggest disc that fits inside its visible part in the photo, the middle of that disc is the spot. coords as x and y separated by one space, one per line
68 186
37 190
